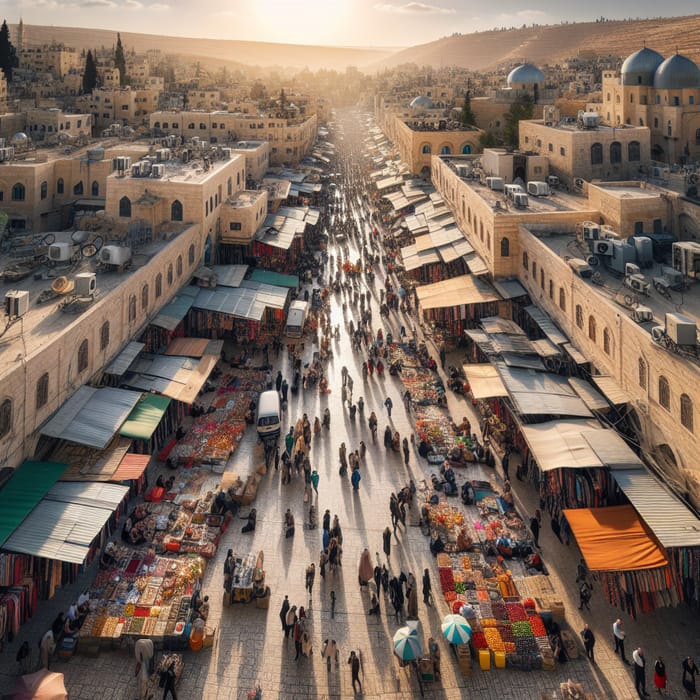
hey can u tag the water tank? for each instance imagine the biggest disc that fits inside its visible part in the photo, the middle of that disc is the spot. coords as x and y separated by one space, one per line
115 254
622 253
61 252
645 251
96 154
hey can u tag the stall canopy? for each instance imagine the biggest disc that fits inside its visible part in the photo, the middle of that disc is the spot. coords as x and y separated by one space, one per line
229 275
67 520
588 394
89 464
611 389
510 289
176 309
458 291
121 363
614 539
144 419
194 347
28 485
131 467
577 444
92 416
484 381
274 278
248 302
672 522
547 326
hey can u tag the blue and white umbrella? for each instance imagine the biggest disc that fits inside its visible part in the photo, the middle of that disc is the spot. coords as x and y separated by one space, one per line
407 644
456 629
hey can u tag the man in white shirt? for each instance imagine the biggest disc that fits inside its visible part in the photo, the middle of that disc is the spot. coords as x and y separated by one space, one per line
619 635
83 602
640 683
73 612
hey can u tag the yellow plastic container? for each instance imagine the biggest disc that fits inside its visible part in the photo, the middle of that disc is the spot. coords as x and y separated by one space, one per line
485 659
499 659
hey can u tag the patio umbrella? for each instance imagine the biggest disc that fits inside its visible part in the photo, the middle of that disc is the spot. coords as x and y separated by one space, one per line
42 685
407 645
456 629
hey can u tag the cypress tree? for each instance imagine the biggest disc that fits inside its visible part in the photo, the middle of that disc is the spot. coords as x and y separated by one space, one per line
89 74
8 53
467 116
120 61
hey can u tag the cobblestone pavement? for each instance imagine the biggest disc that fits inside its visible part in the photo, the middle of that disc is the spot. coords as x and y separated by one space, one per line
250 647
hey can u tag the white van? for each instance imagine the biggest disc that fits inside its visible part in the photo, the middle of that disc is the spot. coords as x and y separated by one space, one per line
269 422
296 318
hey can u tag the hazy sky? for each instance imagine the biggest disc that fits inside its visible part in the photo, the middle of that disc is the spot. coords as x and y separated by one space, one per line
329 22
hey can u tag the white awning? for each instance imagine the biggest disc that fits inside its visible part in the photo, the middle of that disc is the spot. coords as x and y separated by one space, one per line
484 381
611 389
229 275
92 416
458 291
588 394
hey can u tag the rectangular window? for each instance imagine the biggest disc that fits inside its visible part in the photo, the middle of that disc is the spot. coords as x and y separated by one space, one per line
562 151
235 226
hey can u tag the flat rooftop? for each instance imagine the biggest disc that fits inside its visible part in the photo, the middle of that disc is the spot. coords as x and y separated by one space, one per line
194 171
44 322
246 145
245 198
427 126
43 155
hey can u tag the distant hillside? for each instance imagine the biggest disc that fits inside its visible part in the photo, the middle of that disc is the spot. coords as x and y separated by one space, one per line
548 44
250 53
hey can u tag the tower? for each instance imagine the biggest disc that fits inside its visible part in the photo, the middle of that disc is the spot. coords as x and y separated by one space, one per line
20 36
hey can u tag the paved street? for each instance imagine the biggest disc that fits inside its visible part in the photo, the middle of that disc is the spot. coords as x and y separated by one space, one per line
250 647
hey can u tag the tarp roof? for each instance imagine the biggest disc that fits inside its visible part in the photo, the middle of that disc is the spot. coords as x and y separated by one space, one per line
229 275
248 301
476 264
456 291
90 464
92 416
274 278
614 539
131 467
509 289
575 354
671 521
577 444
484 381
121 363
413 259
588 394
546 324
194 347
540 393
144 419
27 486
611 389
176 309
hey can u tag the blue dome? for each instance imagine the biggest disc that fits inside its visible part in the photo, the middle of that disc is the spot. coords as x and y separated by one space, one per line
527 73
677 72
421 102
639 68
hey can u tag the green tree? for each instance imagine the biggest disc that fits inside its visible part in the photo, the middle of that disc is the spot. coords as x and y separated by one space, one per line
467 117
521 108
8 53
89 74
120 61
488 139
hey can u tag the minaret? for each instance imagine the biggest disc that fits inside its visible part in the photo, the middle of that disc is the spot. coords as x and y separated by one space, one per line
20 36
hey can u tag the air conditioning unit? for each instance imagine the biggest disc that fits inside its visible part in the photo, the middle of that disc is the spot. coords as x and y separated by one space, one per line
632 269
681 329
136 170
145 168
637 283
158 170
115 255
16 303
121 164
591 231
601 247
520 200
163 154
226 153
61 252
86 284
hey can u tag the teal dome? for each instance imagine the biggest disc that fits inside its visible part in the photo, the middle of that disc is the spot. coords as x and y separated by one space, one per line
676 73
527 73
421 102
639 68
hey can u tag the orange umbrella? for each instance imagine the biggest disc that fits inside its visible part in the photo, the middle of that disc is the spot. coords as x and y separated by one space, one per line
42 685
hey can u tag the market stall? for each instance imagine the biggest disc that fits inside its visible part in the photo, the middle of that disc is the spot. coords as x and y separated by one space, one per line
247 581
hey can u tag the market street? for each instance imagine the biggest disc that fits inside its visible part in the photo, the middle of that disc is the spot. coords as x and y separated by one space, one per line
250 647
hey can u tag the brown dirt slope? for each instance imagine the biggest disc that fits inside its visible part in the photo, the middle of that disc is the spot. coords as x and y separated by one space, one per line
548 44
243 52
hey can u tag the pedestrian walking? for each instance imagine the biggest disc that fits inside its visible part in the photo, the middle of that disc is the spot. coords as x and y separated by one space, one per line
640 682
377 574
427 588
581 571
283 614
565 530
389 405
309 579
504 464
327 521
556 528
285 390
690 670
354 662
355 479
350 384
24 658
386 536
442 355
588 642
277 458
47 646
329 652
584 593
619 635
278 381
406 451
535 529
344 374
660 674
314 480
298 634
168 679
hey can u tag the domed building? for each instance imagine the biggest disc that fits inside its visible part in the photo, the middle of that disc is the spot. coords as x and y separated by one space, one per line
662 94
421 104
526 78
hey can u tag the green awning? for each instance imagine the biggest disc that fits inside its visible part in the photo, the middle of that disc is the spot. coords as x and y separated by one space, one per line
28 485
275 278
143 420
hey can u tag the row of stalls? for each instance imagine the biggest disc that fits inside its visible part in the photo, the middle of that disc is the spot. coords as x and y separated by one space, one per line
583 469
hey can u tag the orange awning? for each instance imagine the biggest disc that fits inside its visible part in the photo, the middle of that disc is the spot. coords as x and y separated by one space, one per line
615 539
131 467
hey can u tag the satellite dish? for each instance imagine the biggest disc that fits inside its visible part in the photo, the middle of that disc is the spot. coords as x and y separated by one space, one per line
62 285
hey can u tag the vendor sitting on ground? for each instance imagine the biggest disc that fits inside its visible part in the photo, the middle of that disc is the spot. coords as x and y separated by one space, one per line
436 544
534 561
160 482
468 495
505 546
108 558
424 449
464 542
251 518
202 608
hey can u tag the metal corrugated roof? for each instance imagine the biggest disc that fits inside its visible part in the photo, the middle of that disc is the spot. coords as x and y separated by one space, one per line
229 275
592 399
121 363
27 486
176 309
610 387
510 289
131 467
673 523
546 324
93 417
86 493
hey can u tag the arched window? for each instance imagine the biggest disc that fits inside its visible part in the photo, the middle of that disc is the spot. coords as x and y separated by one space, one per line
190 125
596 154
238 179
125 207
170 275
144 298
616 152
534 270
159 285
426 148
5 417
44 189
179 265
551 289
229 186
156 125
664 393
95 188
78 187
104 336
592 328
505 247
633 151
466 149
190 254
687 412
176 210
18 192
132 308
42 391
211 204
642 372
59 186
607 341
526 264
579 316
445 151
562 299
83 356
656 121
